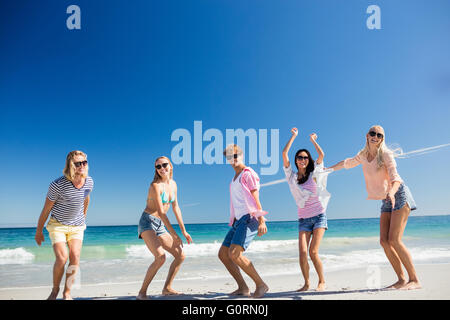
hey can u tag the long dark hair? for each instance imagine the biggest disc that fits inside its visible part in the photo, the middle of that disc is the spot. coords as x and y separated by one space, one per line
309 167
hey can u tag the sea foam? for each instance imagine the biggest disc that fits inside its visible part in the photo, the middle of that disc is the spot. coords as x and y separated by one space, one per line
15 256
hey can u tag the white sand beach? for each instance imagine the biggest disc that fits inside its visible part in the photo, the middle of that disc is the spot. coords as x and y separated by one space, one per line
350 284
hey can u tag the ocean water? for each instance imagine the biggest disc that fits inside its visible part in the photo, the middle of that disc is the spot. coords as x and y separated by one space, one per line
114 254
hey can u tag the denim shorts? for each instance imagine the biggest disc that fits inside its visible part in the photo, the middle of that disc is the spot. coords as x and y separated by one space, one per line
310 224
403 196
242 232
149 222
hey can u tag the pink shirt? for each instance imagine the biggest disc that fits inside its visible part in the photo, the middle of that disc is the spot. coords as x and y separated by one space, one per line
306 195
313 207
241 199
378 180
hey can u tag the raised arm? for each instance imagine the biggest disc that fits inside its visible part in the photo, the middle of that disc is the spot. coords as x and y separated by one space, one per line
177 211
288 145
313 138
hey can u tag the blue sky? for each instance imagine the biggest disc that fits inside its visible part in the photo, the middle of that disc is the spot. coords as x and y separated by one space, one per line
133 74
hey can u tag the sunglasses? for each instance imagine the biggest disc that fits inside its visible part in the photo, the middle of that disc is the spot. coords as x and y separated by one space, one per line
78 164
164 165
234 156
301 158
373 134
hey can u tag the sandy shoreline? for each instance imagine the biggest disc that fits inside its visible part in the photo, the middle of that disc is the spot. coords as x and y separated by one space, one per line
354 284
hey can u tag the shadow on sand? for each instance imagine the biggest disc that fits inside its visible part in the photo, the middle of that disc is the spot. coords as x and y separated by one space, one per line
288 295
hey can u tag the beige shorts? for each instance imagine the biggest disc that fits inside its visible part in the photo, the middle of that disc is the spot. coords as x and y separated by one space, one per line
59 232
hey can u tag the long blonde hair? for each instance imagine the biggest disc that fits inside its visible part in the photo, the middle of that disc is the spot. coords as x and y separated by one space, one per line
69 168
157 177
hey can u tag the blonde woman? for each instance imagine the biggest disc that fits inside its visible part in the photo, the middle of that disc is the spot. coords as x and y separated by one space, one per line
67 200
152 227
384 183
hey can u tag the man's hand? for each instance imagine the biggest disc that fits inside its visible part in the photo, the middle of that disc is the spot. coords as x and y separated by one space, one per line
262 229
39 237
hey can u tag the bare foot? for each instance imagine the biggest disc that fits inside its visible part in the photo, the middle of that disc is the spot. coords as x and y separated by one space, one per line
241 292
411 285
260 291
67 296
53 294
170 292
399 284
320 286
142 296
304 288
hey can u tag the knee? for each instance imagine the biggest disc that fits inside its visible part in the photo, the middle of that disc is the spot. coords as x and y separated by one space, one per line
74 258
394 242
313 253
303 254
61 259
180 257
224 255
384 242
160 259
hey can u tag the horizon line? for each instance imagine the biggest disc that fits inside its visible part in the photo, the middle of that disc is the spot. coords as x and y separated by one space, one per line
176 224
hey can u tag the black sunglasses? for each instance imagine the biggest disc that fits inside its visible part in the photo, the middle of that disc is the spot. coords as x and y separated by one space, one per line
235 156
78 164
164 165
301 158
373 134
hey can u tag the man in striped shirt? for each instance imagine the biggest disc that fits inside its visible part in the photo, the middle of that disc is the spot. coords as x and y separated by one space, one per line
67 200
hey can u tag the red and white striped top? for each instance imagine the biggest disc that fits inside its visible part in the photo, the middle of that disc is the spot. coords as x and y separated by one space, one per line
306 195
313 207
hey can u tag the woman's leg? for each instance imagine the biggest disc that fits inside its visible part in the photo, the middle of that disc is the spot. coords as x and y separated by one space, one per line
233 269
399 219
314 254
61 255
391 254
236 254
177 252
155 247
75 246
303 243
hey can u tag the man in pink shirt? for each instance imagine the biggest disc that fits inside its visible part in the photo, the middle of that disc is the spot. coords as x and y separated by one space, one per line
246 220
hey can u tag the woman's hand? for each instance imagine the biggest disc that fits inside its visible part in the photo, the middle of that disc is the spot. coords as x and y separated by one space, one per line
288 145
391 197
39 237
188 237
313 137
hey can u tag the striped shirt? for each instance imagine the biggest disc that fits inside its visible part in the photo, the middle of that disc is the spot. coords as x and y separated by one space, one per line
309 199
68 208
